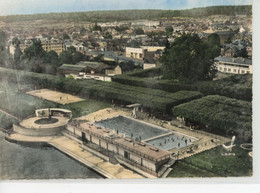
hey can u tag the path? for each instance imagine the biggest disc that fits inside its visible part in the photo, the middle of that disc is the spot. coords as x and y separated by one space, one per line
3 111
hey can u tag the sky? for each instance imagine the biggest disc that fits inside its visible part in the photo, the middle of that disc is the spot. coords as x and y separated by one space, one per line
11 7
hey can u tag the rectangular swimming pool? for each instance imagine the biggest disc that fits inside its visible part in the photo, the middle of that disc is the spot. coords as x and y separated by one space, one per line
171 141
132 128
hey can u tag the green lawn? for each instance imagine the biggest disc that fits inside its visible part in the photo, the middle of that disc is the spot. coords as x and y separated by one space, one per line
182 170
6 122
86 107
23 105
212 161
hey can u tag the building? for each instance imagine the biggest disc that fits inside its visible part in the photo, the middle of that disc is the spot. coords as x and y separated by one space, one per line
140 53
233 65
47 45
53 45
83 66
136 53
115 71
127 151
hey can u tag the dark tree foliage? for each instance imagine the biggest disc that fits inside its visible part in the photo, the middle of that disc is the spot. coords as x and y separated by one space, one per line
138 31
97 27
123 15
218 112
188 59
71 56
35 50
242 53
3 51
107 35
65 36
169 30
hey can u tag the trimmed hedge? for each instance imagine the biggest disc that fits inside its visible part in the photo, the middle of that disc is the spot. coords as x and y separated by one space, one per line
151 72
218 112
165 85
236 86
156 101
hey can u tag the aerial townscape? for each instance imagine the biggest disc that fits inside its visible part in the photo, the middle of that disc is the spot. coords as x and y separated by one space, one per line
127 94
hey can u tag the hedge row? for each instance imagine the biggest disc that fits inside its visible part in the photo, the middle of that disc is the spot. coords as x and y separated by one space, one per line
218 112
231 87
165 85
156 101
151 72
236 86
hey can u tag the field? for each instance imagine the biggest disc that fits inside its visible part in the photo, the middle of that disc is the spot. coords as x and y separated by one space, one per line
211 163
6 121
23 105
86 107
54 96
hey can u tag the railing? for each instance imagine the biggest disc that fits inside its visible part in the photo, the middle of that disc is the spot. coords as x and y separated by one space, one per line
126 147
135 164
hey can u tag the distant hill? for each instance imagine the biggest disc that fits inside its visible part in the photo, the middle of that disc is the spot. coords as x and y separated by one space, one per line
124 15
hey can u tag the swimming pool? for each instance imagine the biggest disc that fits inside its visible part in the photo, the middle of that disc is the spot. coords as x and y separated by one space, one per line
132 128
171 141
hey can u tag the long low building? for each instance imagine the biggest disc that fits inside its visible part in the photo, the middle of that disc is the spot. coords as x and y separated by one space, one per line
233 65
136 153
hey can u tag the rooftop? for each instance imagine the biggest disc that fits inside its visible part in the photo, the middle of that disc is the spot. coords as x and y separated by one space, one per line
234 60
128 143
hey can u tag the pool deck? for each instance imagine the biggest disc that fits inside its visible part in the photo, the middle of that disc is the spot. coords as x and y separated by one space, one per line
204 138
87 157
75 150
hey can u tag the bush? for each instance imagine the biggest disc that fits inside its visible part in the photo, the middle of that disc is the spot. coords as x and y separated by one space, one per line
156 101
218 112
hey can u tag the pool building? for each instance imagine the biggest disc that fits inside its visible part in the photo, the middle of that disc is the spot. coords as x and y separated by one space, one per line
131 142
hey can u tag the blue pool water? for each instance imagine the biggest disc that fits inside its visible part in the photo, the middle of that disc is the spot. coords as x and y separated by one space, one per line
171 141
132 127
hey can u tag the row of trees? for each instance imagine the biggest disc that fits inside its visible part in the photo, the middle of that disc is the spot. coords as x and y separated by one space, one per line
36 59
123 15
156 101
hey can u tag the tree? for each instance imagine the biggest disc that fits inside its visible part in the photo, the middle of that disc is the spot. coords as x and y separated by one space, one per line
65 36
188 60
169 30
97 27
17 51
71 56
107 35
242 53
35 50
213 42
139 31
3 51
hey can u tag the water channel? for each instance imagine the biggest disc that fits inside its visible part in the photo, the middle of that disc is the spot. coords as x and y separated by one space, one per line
21 162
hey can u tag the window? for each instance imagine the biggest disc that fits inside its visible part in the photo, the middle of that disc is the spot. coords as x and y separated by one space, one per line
229 69
126 155
220 68
234 70
243 72
225 69
247 72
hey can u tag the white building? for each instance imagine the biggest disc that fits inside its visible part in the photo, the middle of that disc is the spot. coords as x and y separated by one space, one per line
234 65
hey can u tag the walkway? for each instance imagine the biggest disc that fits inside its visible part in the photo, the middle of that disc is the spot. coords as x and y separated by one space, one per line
3 111
74 150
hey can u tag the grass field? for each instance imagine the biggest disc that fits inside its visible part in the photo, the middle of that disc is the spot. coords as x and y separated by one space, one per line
86 107
211 162
6 121
23 105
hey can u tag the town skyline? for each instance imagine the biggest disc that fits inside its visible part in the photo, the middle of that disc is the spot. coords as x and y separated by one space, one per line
39 7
